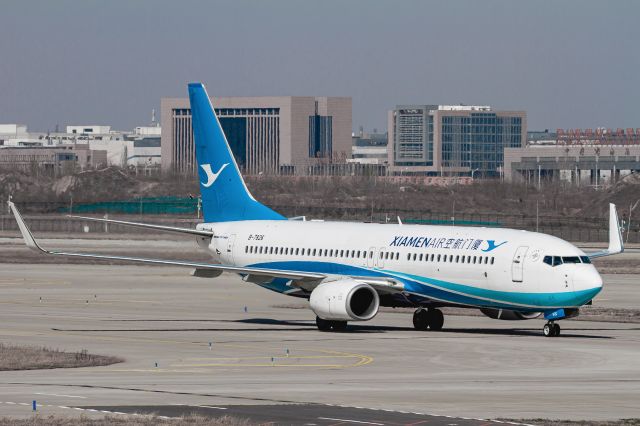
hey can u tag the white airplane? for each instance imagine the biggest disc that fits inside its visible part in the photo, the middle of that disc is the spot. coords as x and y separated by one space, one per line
348 270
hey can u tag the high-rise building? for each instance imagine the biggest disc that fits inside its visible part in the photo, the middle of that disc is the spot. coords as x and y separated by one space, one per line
452 139
268 135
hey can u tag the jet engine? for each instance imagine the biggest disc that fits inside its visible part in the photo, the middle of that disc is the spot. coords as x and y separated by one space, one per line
344 300
505 314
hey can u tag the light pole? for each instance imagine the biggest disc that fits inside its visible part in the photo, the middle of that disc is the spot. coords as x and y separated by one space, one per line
473 172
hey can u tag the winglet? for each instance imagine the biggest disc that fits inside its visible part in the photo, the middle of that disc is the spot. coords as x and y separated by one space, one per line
616 245
26 233
615 235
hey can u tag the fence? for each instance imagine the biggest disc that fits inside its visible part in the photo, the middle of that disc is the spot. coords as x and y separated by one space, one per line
583 230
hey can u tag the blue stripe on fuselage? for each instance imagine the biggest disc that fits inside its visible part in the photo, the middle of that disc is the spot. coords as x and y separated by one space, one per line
443 290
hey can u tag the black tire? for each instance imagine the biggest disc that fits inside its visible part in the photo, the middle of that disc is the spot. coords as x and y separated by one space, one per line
338 325
436 319
548 330
556 331
420 320
323 325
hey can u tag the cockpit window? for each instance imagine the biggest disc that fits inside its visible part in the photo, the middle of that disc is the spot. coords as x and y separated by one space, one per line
554 260
557 260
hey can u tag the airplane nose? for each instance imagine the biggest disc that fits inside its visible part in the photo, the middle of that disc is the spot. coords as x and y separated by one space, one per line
587 278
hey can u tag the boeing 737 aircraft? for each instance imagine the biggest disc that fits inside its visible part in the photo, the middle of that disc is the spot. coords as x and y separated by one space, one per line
348 270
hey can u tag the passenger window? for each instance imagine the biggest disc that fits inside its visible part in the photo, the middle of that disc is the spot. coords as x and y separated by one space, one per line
420 257
462 259
370 255
492 259
408 256
438 258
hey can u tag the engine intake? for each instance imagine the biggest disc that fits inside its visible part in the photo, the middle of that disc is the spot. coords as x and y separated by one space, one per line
508 315
345 300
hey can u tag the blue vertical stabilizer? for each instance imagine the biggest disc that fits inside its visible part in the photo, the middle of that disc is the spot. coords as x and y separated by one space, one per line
225 196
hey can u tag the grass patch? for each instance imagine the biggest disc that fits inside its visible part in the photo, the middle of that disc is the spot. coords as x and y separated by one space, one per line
192 420
34 358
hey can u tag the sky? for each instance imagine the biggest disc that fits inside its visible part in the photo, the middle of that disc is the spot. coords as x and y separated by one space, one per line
568 64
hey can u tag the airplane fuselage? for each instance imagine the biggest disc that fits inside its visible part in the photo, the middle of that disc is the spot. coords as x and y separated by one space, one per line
445 265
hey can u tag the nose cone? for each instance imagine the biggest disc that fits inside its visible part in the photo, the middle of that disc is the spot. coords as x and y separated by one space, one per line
587 280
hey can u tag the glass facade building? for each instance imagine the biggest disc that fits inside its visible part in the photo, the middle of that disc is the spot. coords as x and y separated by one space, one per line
452 140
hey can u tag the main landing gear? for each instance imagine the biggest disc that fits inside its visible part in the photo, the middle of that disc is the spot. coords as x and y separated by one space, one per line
551 329
327 325
432 319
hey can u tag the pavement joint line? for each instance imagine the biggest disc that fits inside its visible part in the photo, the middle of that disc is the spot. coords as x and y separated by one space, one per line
350 421
323 418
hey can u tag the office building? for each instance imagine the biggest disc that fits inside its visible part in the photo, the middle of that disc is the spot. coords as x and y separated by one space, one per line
52 159
137 148
268 135
582 157
452 140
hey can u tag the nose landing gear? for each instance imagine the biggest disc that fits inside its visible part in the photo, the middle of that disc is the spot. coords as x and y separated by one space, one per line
428 319
551 329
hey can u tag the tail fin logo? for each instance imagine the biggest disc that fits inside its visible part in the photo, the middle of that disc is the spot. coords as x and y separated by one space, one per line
211 177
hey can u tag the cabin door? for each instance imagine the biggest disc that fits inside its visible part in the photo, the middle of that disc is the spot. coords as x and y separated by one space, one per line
517 266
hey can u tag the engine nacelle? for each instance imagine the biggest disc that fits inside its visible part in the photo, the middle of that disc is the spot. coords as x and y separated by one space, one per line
344 300
508 315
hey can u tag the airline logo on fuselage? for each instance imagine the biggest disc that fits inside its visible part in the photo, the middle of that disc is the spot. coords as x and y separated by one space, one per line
211 177
445 243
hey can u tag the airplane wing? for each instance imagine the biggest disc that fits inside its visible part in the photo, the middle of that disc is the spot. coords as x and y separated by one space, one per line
199 232
616 246
302 279
33 245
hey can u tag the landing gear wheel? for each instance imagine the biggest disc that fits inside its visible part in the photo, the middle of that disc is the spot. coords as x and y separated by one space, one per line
556 330
420 319
327 325
338 325
323 324
551 329
436 319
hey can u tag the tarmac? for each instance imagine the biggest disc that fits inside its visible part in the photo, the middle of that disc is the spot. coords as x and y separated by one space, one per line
191 344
